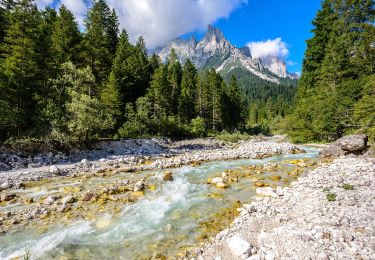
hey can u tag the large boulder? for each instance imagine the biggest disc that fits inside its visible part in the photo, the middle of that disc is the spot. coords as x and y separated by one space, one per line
351 144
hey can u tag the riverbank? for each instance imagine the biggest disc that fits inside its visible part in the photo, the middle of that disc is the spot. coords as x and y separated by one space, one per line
139 155
329 213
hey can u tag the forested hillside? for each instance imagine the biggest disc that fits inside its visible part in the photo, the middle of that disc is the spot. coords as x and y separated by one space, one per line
336 94
66 86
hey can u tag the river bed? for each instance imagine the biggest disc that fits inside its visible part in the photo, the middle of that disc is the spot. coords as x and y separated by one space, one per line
170 219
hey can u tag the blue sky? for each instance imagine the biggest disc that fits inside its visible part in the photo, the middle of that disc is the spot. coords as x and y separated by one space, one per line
277 27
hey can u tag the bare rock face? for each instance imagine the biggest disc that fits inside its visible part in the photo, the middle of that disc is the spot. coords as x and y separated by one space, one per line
351 144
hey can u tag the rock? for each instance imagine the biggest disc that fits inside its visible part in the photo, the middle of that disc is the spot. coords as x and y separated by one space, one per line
7 197
168 176
260 184
332 151
267 191
67 200
222 185
50 200
217 180
63 208
54 170
139 186
85 163
5 186
353 143
239 246
87 196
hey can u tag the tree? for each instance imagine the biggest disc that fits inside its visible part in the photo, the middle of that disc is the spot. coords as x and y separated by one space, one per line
174 77
111 100
159 94
87 118
65 37
19 68
186 108
337 58
97 41
233 104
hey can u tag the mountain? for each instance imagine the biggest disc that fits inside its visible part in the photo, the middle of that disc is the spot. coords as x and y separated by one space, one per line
215 51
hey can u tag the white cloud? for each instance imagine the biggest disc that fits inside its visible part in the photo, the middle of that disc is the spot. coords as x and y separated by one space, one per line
159 21
270 48
78 7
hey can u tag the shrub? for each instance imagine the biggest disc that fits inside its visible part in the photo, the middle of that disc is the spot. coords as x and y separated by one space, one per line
331 196
197 127
347 186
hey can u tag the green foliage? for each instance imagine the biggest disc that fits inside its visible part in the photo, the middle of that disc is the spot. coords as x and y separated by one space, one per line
197 127
331 196
62 87
347 186
65 37
332 99
232 137
87 117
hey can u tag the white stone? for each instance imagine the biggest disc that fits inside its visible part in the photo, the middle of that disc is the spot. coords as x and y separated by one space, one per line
54 170
266 191
239 246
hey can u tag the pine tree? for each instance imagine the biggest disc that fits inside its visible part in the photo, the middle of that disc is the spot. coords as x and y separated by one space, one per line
65 37
111 99
97 42
121 73
159 95
234 104
112 29
19 65
186 108
174 77
337 58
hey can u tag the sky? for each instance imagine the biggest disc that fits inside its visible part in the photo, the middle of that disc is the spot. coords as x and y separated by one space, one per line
269 27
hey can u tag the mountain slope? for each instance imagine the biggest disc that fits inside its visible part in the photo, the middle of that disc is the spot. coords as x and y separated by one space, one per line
215 51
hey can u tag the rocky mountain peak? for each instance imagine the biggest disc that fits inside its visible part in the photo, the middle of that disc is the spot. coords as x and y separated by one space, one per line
213 34
215 51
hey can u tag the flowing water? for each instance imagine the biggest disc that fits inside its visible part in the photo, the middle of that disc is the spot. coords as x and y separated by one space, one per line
167 220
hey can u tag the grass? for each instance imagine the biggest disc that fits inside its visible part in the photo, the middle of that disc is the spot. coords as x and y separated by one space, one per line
331 196
347 186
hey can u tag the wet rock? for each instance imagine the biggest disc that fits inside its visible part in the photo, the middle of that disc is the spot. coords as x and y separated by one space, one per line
54 170
139 186
239 246
217 180
7 197
222 185
168 176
